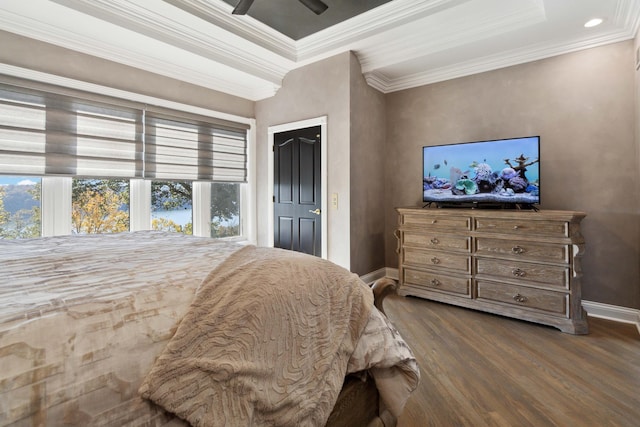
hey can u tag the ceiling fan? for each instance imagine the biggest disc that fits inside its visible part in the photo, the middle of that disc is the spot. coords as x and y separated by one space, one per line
316 6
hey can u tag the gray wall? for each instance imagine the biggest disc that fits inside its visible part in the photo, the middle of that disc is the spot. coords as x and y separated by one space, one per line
39 56
319 89
368 132
582 105
636 55
355 114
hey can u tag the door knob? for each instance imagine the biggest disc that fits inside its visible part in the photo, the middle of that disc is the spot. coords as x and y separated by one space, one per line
317 211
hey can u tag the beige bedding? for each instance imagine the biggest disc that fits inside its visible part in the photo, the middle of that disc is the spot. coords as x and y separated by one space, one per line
255 355
83 319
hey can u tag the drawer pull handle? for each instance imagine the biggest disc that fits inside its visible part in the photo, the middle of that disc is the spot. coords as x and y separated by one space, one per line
435 282
517 250
435 260
434 221
435 241
518 272
519 298
516 227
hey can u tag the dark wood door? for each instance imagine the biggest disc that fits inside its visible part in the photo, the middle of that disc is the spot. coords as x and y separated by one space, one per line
297 224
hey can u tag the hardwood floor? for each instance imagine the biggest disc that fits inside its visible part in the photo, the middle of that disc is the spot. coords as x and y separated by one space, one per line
479 369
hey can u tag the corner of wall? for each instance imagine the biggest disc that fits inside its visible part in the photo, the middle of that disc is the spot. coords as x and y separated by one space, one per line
367 117
636 50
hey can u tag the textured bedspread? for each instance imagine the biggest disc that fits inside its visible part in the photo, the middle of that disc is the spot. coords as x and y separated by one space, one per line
266 342
82 319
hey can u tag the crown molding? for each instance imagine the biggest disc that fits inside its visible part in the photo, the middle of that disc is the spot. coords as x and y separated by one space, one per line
373 22
628 15
488 23
222 46
381 82
38 31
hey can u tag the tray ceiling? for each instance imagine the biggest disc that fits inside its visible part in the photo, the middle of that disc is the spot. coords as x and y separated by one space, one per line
293 19
400 43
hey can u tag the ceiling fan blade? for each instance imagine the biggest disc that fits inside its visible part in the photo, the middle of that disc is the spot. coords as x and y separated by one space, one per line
242 7
316 6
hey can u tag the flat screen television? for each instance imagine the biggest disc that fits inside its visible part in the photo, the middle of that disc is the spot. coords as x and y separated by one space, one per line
502 173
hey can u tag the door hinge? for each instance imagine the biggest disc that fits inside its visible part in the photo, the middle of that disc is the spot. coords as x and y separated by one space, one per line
274 199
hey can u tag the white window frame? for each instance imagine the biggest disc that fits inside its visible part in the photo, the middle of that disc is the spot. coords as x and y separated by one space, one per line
55 205
56 191
139 205
201 208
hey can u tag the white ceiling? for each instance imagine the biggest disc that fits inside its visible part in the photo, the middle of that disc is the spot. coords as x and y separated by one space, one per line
400 44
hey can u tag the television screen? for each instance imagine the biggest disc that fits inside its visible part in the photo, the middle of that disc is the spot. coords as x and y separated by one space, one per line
501 172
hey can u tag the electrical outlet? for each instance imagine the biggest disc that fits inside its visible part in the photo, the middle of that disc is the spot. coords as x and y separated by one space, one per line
334 200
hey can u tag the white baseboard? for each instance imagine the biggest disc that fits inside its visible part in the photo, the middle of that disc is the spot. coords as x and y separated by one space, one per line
375 275
612 312
594 309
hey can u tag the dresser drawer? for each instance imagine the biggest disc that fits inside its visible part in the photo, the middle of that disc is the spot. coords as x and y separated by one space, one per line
524 250
437 259
436 223
437 241
437 281
550 275
522 227
522 296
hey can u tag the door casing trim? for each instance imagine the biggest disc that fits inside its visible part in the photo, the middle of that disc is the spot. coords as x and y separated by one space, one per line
272 130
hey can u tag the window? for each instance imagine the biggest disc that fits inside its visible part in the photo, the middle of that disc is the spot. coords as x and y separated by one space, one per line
99 206
172 206
98 157
225 210
20 207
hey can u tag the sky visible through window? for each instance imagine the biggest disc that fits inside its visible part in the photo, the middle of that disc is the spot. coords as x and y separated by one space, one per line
17 180
19 207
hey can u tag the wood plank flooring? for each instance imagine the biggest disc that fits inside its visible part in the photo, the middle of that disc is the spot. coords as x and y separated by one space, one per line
479 369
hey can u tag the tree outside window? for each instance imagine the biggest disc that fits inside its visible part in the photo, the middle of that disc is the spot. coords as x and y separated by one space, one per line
100 206
172 206
225 210
20 216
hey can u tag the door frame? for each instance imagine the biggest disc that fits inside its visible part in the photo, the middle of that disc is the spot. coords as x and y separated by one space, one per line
272 130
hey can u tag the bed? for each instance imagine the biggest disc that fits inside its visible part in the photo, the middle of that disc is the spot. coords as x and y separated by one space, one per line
128 330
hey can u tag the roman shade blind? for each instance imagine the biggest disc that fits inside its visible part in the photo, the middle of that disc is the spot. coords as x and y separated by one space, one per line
186 146
48 130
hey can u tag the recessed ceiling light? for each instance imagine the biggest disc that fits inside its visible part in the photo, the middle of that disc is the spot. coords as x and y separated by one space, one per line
593 22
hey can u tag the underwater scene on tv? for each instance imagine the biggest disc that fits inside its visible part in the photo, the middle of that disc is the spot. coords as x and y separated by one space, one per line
498 171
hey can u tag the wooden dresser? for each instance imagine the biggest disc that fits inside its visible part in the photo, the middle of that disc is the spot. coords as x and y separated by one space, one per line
521 264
